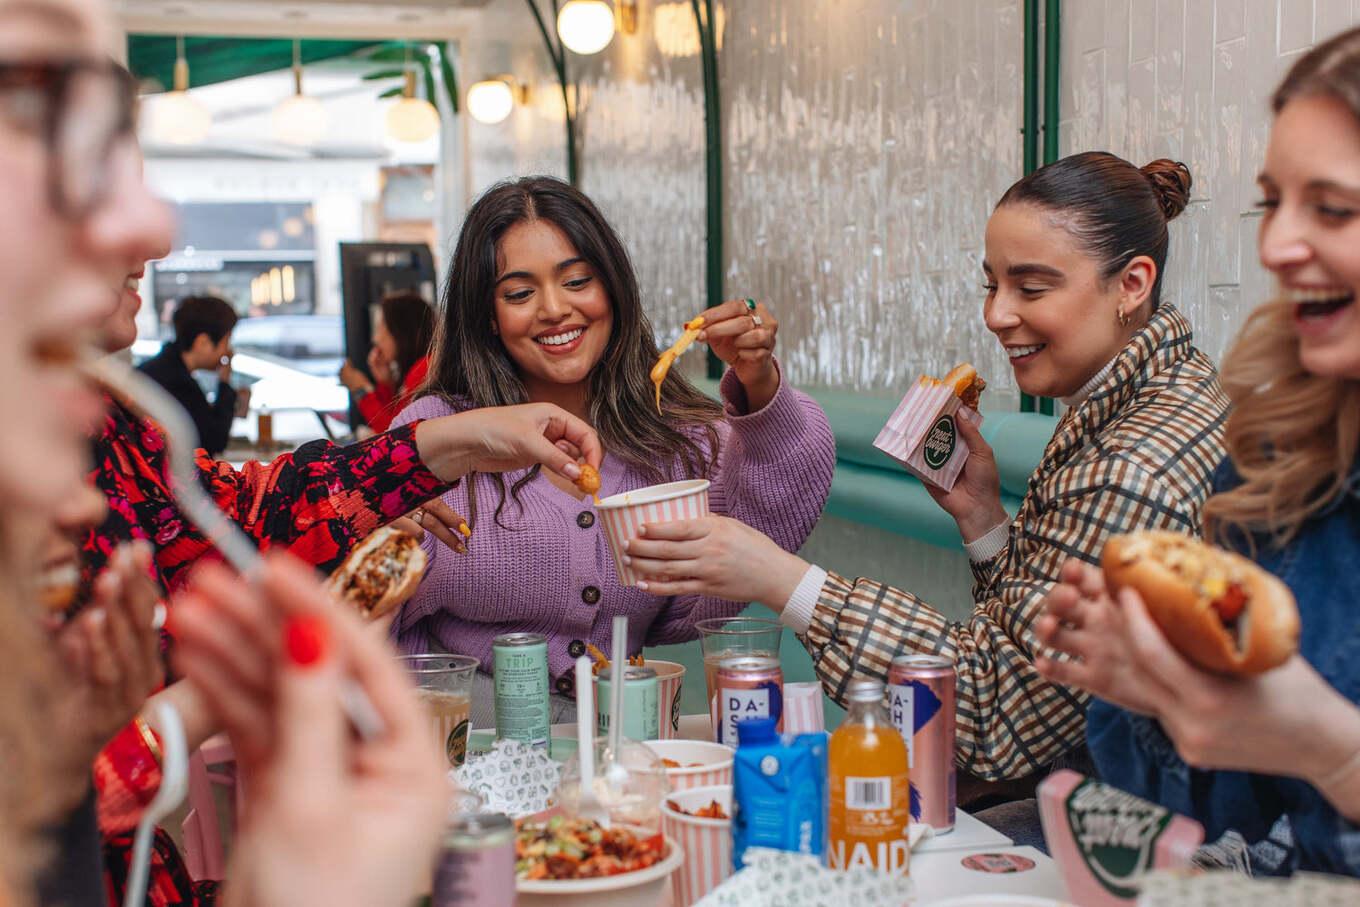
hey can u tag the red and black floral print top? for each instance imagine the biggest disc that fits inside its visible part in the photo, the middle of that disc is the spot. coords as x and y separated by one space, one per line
317 502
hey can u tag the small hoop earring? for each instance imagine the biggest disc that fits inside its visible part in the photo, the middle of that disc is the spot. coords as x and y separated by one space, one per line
1123 318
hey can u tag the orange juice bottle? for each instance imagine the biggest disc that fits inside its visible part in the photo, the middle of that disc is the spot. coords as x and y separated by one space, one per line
870 796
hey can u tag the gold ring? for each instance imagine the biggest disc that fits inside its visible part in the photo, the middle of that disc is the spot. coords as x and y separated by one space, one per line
750 305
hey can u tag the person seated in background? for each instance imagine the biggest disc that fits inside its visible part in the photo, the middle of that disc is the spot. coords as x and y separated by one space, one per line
1253 755
397 361
203 326
1075 254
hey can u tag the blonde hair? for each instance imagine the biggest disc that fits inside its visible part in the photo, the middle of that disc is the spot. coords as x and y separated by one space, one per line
1292 435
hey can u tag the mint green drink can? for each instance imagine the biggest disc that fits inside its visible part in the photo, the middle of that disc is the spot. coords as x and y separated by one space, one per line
520 674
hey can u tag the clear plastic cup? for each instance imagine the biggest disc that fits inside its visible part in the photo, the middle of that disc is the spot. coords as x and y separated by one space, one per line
637 800
444 685
721 637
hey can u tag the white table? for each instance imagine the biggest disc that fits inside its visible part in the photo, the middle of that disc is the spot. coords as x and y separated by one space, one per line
969 834
942 874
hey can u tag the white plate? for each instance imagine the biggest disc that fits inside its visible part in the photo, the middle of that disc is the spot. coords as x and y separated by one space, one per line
642 888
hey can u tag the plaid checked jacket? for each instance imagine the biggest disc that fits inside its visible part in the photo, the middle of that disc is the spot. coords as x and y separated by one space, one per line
1139 453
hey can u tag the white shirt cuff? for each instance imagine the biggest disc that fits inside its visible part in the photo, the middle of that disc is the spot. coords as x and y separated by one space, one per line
990 545
797 613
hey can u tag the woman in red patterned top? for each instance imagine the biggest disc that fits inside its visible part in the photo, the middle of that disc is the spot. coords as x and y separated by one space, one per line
318 502
398 361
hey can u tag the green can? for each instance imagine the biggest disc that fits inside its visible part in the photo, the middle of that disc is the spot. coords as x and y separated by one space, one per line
641 703
521 677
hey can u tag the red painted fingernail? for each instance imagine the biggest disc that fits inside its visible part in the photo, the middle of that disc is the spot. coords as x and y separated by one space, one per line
306 639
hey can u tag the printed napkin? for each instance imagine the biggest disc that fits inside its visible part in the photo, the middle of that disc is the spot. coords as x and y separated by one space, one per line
1229 889
778 878
512 778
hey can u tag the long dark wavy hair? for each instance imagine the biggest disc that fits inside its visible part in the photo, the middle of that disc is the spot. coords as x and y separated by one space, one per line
470 367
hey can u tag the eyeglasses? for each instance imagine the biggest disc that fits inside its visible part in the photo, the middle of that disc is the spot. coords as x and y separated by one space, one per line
80 109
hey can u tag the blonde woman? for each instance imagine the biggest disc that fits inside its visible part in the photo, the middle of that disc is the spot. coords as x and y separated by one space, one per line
1242 754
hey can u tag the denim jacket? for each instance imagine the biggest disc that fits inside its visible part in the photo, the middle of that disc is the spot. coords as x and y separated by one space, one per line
1133 753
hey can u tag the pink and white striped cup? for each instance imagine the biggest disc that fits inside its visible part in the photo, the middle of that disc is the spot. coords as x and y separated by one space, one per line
707 843
625 513
699 763
670 677
803 708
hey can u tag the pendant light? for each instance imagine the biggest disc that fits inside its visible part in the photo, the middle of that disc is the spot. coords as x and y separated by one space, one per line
411 119
299 119
490 100
177 117
586 26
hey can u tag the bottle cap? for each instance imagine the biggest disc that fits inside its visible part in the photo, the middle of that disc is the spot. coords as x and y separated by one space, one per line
865 691
755 730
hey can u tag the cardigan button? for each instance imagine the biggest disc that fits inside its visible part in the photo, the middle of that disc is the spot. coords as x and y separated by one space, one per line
590 595
564 684
576 648
585 519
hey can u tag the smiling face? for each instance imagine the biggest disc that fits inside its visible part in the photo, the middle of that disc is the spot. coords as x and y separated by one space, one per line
1047 304
551 310
58 272
1310 231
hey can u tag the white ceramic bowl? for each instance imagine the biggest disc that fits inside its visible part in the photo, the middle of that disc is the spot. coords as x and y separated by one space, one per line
643 888
714 762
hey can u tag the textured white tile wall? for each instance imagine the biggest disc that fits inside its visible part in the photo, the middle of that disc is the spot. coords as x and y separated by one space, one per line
1191 79
866 143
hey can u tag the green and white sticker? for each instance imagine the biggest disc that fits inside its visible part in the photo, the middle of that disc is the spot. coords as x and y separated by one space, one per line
939 443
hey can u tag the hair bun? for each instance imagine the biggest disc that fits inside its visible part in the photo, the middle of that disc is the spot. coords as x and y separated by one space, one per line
1171 181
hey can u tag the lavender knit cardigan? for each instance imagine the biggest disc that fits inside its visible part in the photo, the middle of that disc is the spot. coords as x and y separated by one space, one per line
551 571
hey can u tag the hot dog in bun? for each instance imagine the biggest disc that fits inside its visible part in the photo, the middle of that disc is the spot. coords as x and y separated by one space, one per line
1219 609
380 574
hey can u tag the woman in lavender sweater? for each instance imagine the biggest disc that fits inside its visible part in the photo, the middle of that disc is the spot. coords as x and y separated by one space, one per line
542 305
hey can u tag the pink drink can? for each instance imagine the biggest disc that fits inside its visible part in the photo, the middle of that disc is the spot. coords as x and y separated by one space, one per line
921 702
747 686
476 866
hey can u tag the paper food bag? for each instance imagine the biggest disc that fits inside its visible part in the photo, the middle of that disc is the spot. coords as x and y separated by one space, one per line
923 433
1106 841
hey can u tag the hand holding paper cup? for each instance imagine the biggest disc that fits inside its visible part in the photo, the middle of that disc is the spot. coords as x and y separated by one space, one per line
625 514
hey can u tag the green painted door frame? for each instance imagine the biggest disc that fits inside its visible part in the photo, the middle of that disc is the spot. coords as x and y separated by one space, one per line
1052 65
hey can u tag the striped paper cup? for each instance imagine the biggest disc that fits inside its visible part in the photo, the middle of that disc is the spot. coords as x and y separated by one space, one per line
803 708
670 675
702 763
624 514
707 843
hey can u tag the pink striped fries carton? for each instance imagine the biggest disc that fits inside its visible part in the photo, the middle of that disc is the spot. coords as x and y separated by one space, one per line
707 843
623 514
1105 840
923 434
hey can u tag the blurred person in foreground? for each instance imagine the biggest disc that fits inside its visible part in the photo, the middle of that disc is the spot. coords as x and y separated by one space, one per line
203 326
398 360
1274 758
75 208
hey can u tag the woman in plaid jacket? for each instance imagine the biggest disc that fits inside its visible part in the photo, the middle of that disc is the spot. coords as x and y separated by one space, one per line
1075 253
